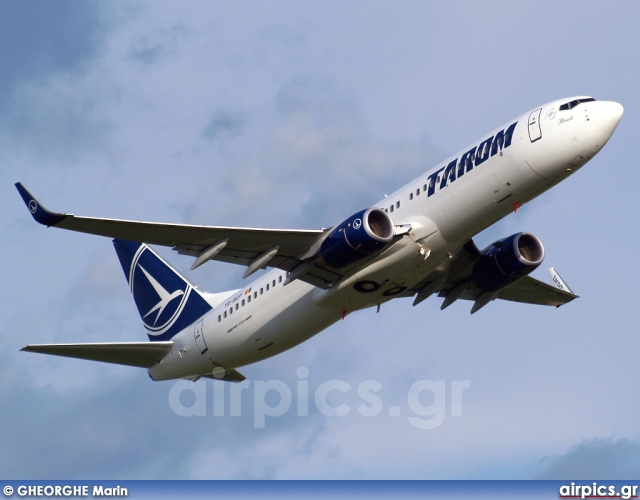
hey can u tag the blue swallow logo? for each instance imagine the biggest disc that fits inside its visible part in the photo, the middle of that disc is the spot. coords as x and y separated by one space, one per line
160 297
165 297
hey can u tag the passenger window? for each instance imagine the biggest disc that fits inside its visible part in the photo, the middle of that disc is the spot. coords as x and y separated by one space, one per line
274 283
255 295
242 302
231 311
267 287
261 291
237 305
424 188
280 279
225 314
410 196
249 299
219 318
418 192
397 204
391 209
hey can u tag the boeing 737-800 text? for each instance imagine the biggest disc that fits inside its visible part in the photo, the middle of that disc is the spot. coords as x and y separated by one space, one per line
416 242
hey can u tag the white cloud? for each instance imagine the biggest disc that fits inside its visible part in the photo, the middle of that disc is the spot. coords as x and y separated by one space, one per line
593 459
284 115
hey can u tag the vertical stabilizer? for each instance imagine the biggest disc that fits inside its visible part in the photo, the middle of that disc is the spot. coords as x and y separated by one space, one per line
167 302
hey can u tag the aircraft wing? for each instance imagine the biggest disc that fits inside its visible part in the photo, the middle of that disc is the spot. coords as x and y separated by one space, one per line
527 290
531 291
252 247
453 281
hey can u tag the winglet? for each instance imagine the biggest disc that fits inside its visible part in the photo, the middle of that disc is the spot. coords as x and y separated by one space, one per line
39 213
559 282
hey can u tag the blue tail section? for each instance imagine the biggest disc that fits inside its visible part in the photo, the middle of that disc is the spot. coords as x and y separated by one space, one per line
167 303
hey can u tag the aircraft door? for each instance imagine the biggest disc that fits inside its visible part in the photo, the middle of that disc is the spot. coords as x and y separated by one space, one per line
198 333
535 133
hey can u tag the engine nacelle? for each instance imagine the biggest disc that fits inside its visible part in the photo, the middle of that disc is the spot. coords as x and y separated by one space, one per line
506 261
360 236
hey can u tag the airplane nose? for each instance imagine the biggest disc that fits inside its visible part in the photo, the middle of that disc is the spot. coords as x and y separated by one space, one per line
608 115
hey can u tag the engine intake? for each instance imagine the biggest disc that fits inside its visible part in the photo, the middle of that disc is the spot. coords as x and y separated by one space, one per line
360 236
508 260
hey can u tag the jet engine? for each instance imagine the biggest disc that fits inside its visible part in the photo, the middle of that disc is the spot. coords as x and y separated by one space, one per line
506 261
360 236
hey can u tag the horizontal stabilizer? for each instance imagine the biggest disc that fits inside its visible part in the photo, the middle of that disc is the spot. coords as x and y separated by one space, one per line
140 354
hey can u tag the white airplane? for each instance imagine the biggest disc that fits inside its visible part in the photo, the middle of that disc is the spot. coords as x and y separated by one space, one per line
415 242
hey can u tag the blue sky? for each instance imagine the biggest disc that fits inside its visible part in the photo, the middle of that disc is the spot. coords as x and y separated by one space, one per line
297 114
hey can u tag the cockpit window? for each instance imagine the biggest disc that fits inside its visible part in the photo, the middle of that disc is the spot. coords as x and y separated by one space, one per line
575 102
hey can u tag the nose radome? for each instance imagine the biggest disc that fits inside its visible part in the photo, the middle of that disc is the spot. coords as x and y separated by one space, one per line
608 115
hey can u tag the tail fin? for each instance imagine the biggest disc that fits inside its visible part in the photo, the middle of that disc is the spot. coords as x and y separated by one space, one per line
167 302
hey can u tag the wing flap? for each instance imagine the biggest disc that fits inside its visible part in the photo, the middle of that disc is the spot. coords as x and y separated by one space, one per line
140 354
244 243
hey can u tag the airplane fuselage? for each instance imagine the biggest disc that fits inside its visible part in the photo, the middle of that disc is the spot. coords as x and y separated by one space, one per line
437 213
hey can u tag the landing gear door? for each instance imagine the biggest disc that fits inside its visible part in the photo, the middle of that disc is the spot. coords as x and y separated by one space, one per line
198 333
535 133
